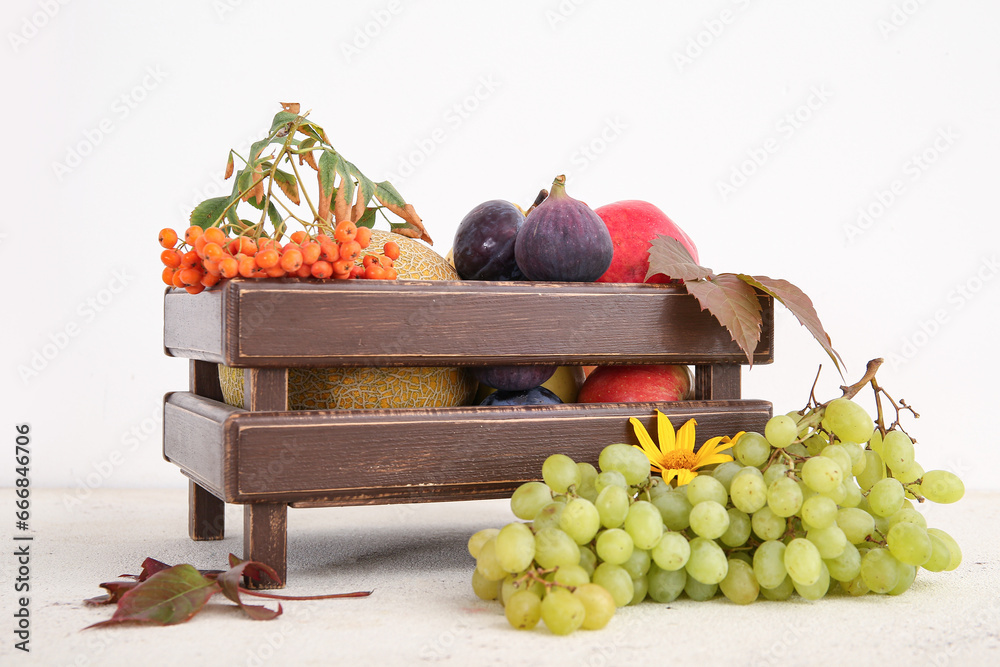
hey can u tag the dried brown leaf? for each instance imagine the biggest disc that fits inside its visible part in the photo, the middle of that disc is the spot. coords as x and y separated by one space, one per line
734 304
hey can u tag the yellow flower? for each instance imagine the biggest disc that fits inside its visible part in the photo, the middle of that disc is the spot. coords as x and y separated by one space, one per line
675 457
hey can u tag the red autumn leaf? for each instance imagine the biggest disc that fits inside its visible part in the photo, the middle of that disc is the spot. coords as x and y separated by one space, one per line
668 256
801 306
229 581
115 589
734 304
168 597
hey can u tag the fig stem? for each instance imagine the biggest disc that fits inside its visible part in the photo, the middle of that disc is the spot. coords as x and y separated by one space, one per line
558 186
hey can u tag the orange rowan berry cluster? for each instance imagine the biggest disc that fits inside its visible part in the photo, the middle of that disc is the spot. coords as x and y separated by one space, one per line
206 256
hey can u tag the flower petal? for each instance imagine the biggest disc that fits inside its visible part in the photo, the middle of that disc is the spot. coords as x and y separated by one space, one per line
685 436
685 476
668 475
714 458
648 447
665 432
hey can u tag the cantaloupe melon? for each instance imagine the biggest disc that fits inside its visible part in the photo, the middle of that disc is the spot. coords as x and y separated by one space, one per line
375 387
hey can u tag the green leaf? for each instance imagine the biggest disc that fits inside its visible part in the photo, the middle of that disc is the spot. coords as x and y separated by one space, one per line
281 118
168 597
346 179
801 306
288 184
368 219
388 194
328 172
668 256
229 165
208 212
734 304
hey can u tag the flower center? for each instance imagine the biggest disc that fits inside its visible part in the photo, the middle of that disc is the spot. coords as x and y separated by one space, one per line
678 459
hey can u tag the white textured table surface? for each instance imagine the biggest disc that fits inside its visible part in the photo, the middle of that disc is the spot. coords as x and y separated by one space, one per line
423 610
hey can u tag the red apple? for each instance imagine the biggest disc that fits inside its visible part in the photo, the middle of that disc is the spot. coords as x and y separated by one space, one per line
633 224
636 384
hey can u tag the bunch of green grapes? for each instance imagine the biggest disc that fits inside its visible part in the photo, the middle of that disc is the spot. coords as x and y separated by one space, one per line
818 498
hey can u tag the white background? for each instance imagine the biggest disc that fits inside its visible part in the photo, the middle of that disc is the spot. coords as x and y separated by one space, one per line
118 117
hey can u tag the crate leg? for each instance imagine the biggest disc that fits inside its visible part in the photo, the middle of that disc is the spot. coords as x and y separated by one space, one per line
716 381
206 514
265 538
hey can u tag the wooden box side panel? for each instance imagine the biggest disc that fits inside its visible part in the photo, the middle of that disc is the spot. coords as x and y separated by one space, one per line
291 323
461 453
194 433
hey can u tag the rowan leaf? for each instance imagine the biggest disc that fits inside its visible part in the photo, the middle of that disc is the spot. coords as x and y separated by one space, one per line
229 581
734 304
368 218
795 300
208 212
229 165
288 184
327 179
668 256
392 200
168 597
115 591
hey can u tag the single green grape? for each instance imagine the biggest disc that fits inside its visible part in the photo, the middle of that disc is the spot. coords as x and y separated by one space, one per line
767 525
706 487
562 611
523 610
560 472
769 563
784 497
822 474
885 497
724 472
479 538
818 588
487 562
815 443
674 509
708 563
709 519
739 584
588 481
953 548
748 492
485 589
615 580
782 591
580 520
752 449
640 587
549 516
553 548
940 555
803 562
819 511
847 420
941 486
873 472
857 524
671 552
780 431
699 591
829 541
515 547
665 585
847 565
569 575
879 570
607 478
627 460
638 563
909 543
612 506
897 450
614 546
644 524
739 528
907 573
529 498
598 605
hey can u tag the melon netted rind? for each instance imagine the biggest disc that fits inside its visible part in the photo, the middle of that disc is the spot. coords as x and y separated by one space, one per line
375 387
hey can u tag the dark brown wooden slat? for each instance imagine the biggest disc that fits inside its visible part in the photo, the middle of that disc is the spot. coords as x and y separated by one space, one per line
206 512
190 424
265 525
444 323
717 381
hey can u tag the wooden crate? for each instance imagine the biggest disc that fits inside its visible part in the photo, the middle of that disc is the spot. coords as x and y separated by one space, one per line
268 458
